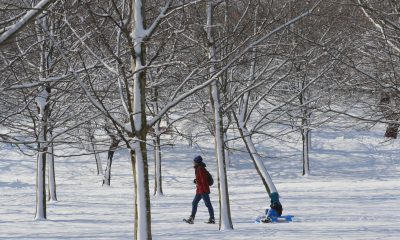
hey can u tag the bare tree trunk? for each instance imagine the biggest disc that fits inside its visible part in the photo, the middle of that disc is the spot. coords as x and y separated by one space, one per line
387 106
257 161
225 214
157 146
190 138
40 182
305 131
42 103
305 156
139 162
113 146
96 155
392 130
157 159
309 135
52 175
139 125
225 221
227 151
43 111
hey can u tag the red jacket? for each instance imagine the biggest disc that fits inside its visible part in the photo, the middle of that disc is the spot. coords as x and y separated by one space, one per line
201 180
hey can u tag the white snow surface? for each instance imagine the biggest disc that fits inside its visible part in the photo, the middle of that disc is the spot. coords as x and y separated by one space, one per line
353 192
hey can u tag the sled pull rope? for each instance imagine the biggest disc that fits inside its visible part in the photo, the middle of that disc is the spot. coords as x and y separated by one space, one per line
249 208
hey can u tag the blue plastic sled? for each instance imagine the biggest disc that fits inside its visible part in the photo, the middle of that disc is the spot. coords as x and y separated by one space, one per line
271 216
281 219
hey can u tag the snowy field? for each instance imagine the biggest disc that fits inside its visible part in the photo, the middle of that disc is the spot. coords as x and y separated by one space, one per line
353 193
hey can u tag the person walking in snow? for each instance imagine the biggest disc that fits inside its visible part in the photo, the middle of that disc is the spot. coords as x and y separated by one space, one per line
203 183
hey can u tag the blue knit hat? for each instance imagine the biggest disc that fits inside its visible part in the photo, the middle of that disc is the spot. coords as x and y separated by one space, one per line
198 159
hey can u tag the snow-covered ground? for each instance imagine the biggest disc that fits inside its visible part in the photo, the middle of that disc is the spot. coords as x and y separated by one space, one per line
353 193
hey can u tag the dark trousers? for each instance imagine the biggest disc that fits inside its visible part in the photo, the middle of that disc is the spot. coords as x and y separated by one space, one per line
206 199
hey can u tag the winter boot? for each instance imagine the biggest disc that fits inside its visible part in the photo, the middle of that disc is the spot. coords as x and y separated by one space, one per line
266 220
190 220
211 221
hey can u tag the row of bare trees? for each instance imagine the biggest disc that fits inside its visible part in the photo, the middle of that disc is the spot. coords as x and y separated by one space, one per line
132 69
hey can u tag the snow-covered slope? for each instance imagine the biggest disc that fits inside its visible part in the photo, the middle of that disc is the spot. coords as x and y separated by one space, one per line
353 192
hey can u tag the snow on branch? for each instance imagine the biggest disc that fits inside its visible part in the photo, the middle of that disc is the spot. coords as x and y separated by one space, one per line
29 16
259 124
165 11
47 80
82 41
365 7
93 99
229 64
157 21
